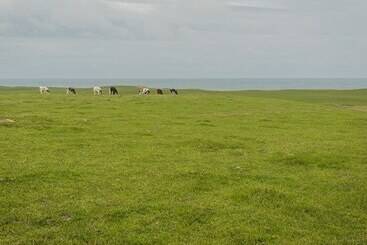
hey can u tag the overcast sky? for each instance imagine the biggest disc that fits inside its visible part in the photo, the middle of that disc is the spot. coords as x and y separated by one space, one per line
182 38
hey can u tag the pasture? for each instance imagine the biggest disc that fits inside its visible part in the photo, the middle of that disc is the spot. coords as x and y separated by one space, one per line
252 167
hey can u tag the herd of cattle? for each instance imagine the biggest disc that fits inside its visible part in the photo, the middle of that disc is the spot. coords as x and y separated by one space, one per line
112 91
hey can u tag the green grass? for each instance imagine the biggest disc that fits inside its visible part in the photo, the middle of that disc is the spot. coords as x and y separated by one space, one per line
276 167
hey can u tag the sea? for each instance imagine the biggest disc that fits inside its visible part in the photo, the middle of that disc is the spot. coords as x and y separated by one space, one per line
200 83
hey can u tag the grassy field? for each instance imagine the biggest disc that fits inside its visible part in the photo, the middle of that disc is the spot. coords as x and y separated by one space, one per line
280 167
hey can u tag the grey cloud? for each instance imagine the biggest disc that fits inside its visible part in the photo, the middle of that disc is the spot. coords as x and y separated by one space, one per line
183 38
255 5
68 18
126 19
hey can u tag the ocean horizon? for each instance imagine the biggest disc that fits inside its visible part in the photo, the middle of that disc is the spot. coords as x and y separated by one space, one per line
206 84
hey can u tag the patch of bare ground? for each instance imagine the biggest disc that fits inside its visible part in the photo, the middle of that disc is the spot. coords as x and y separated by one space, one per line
6 120
354 107
359 108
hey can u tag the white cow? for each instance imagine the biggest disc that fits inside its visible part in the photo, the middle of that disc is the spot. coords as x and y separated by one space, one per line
144 91
44 90
97 90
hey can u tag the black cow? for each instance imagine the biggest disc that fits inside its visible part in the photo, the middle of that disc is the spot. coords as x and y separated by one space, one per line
70 91
159 91
113 91
173 91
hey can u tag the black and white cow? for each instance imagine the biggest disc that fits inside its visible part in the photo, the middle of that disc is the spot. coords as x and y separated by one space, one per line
159 91
44 90
113 91
70 90
173 91
144 91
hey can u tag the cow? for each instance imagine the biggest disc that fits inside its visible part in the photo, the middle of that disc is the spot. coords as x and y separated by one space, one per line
113 91
159 91
173 91
97 90
144 91
70 91
44 90
140 90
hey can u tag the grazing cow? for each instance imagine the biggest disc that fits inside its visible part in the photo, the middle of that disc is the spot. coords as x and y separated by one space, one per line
113 91
140 91
97 90
70 91
173 91
44 90
159 91
144 91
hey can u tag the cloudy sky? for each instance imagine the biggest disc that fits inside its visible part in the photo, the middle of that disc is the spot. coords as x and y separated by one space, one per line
182 38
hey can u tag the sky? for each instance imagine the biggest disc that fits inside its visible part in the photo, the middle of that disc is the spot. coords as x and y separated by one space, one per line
182 38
